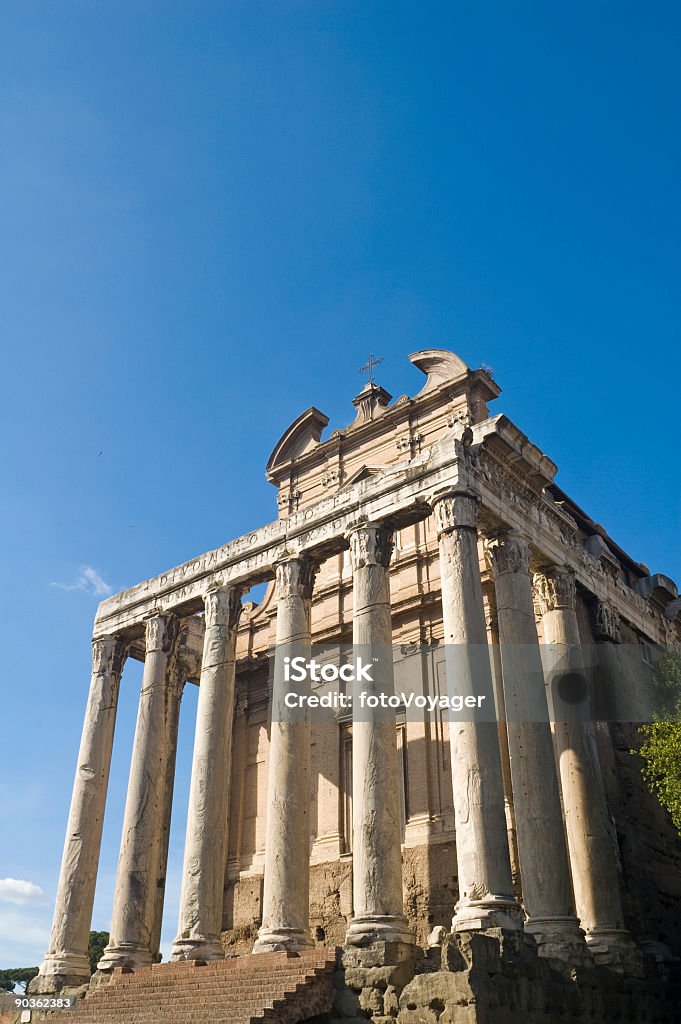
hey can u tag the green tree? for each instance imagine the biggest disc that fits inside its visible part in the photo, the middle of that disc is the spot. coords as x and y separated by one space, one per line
95 947
661 747
16 976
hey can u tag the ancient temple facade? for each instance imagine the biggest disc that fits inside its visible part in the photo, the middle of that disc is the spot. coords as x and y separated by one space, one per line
496 792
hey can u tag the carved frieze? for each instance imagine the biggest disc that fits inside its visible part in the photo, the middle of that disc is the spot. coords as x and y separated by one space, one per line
532 505
606 622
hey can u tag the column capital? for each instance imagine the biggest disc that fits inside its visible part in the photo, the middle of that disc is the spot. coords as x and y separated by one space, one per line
160 631
507 552
295 576
370 544
223 606
108 654
455 509
554 587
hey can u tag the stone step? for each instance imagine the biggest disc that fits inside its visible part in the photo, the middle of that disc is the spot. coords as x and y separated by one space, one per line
270 988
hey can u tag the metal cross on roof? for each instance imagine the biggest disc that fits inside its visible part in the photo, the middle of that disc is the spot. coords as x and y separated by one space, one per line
368 367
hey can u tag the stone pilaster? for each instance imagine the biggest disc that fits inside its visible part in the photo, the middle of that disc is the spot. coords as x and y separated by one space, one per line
592 854
484 870
140 862
205 852
544 866
286 893
66 963
378 914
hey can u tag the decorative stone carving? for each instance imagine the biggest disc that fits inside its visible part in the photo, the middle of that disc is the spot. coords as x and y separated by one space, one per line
370 544
160 631
331 478
410 443
508 552
223 606
606 622
108 654
288 500
455 510
554 588
296 576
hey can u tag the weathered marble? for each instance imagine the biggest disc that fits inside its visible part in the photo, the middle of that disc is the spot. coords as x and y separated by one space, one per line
593 858
544 866
205 853
285 918
134 920
378 913
66 963
484 870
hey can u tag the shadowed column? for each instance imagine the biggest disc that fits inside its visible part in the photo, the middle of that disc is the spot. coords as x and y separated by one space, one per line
134 910
66 962
592 853
483 863
286 893
544 867
205 851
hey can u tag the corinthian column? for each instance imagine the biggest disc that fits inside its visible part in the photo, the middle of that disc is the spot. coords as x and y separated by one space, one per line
544 867
376 849
286 893
205 851
140 862
592 854
66 962
483 864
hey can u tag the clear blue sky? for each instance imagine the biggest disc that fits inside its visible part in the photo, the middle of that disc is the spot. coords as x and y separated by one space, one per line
213 211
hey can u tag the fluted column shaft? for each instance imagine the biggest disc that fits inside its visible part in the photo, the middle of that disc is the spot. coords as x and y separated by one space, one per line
544 866
66 962
135 897
592 854
205 852
286 891
378 913
483 863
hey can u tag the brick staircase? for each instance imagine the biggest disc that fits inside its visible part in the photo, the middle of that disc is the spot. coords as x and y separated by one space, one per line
270 988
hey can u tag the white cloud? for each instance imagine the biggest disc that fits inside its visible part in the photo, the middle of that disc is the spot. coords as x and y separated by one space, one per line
88 579
24 935
16 890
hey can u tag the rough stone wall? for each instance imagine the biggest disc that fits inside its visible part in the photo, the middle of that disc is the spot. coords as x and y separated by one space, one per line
429 898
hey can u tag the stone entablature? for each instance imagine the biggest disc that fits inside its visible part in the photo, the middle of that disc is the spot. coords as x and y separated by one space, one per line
512 498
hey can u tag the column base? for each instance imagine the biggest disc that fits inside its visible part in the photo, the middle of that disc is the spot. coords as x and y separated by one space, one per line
560 938
199 947
281 940
60 972
614 947
125 954
372 928
491 912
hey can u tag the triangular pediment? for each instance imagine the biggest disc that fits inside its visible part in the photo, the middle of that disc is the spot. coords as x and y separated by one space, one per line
363 473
